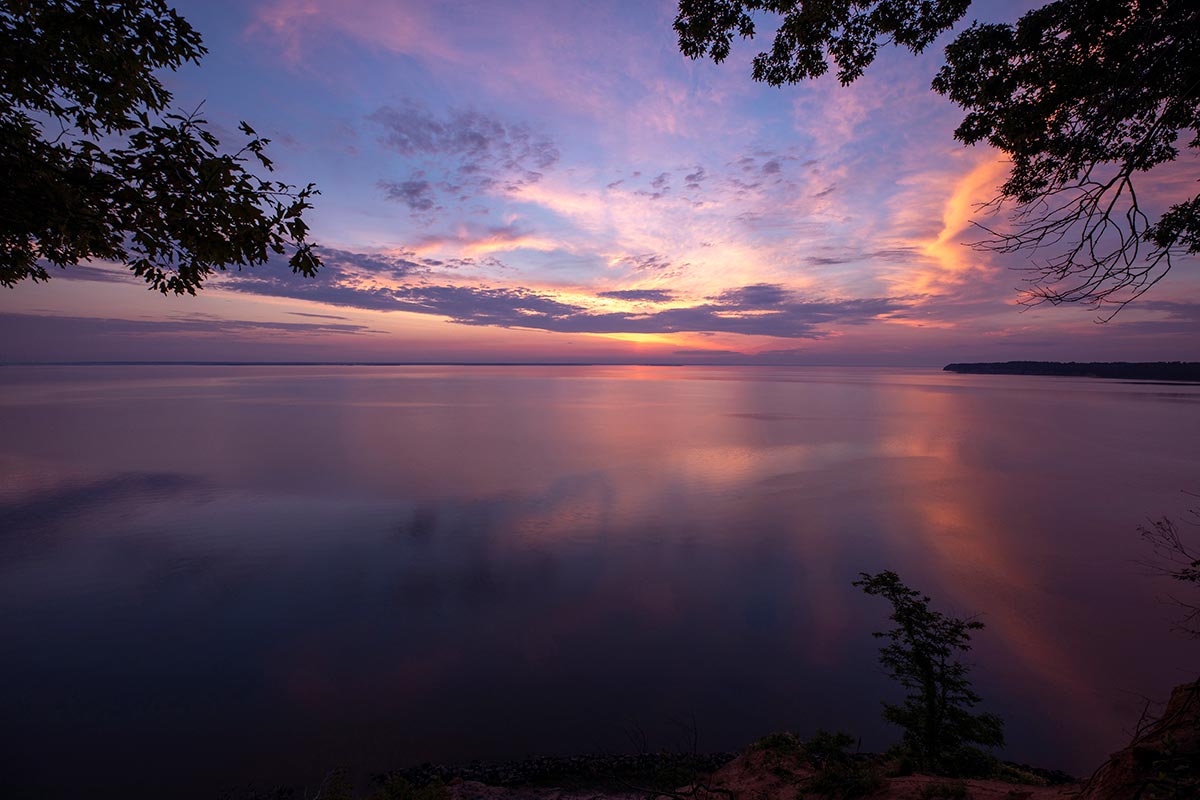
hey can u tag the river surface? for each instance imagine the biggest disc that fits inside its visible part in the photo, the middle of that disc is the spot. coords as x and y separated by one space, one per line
215 577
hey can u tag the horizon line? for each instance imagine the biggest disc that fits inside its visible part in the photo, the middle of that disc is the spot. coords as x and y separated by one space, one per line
356 363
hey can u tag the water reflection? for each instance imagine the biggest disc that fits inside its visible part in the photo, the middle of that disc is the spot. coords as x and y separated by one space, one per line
239 573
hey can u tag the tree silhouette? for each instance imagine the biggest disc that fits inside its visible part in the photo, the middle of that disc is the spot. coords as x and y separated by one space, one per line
96 166
1082 95
940 730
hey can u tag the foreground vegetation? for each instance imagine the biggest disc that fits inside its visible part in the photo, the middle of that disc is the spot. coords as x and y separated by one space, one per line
942 735
944 752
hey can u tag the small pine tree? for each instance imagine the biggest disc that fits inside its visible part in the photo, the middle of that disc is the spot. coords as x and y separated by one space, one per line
941 733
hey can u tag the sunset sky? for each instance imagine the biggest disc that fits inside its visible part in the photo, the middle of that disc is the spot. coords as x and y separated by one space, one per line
537 180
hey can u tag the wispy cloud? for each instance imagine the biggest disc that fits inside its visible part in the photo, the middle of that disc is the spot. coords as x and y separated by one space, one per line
950 261
639 295
472 240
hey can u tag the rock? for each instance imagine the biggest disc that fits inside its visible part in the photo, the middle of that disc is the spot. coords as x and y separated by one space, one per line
1162 761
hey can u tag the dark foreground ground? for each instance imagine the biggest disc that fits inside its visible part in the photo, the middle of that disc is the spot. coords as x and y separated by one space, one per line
1161 763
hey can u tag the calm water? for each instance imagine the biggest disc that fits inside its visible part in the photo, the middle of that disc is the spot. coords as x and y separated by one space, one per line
216 576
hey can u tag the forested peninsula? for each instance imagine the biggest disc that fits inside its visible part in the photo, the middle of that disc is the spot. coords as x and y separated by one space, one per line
1126 370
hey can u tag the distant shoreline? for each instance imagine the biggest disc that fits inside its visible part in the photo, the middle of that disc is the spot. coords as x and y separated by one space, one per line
1181 371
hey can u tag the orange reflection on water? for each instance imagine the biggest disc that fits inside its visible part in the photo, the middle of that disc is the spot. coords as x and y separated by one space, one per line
962 515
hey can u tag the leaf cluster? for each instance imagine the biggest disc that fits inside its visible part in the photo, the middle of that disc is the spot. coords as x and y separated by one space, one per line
1076 83
941 732
96 165
851 31
1081 95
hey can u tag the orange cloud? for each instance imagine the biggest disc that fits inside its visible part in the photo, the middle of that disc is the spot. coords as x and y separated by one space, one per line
466 241
949 262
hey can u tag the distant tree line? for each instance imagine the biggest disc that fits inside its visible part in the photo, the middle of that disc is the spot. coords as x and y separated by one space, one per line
1138 371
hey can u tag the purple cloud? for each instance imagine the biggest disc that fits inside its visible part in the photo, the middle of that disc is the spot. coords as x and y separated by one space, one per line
346 279
415 193
758 295
694 179
522 308
475 152
359 281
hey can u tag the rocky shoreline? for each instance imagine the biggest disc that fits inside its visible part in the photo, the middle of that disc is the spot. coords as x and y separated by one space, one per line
598 770
617 771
